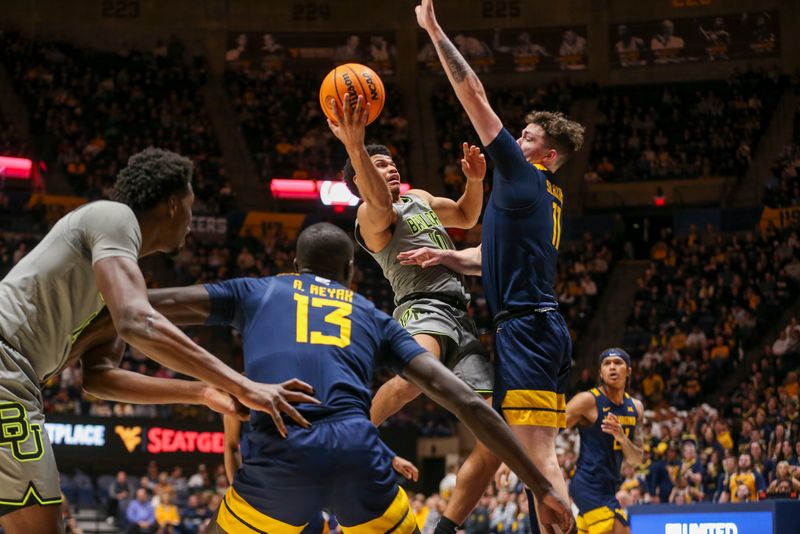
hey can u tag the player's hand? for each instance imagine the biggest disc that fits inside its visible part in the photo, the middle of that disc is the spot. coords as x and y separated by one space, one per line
501 476
426 17
473 164
224 403
351 122
275 398
611 425
554 512
405 468
424 257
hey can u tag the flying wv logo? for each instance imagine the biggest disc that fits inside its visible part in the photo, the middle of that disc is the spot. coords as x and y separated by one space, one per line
131 436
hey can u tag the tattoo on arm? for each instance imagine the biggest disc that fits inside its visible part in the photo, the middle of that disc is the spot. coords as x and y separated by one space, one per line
458 66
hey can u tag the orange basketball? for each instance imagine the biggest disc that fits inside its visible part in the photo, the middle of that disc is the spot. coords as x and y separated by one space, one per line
355 79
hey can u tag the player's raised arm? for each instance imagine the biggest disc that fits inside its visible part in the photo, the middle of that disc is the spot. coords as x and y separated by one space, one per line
465 261
464 212
376 213
441 385
465 82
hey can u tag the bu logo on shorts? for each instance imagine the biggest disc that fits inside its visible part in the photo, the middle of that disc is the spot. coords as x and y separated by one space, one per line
15 430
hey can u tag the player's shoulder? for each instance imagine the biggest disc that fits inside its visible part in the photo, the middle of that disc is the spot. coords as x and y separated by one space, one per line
583 400
418 194
106 207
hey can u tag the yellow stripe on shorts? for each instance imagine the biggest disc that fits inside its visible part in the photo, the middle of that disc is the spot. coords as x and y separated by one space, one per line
597 521
397 519
535 407
237 516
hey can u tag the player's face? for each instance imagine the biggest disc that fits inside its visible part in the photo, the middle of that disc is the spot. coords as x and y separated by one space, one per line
534 145
614 372
182 219
388 170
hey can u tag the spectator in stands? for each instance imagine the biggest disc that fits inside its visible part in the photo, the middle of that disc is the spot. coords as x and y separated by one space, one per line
119 495
141 515
166 514
747 482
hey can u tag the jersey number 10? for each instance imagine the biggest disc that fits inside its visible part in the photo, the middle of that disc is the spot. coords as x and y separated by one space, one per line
339 316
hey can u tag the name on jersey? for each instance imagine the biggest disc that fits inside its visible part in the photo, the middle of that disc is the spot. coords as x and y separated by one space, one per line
422 221
344 295
626 420
556 191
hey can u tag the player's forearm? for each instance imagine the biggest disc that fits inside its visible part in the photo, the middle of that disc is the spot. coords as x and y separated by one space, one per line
390 398
465 261
162 341
632 452
182 305
371 185
120 385
232 461
471 203
468 88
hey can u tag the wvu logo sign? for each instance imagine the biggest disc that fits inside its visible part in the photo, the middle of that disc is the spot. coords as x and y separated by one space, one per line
15 430
130 436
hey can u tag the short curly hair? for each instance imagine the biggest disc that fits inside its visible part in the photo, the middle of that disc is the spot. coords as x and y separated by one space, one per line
564 135
151 177
349 172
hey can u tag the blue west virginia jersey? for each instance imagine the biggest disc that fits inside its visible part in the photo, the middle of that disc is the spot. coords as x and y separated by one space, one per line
597 474
308 327
521 230
521 236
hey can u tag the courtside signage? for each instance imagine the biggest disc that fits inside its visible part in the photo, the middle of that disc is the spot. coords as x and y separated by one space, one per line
722 522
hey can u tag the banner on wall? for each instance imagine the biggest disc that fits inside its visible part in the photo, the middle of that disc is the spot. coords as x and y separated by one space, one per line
133 439
514 50
779 218
698 39
310 51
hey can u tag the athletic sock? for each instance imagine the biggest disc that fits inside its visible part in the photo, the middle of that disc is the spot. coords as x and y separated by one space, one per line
445 526
532 512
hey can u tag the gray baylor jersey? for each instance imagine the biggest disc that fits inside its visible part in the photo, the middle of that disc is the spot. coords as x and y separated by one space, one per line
51 294
417 226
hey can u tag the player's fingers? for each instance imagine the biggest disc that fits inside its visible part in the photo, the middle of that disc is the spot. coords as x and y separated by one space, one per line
290 410
295 384
277 419
429 263
336 111
465 148
297 397
364 112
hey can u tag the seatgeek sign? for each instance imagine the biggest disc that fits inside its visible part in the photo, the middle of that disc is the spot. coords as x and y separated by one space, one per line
722 522
120 437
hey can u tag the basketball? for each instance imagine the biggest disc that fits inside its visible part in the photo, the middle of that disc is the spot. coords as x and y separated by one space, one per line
355 79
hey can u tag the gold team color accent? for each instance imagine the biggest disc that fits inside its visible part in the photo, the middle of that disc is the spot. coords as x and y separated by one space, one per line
535 407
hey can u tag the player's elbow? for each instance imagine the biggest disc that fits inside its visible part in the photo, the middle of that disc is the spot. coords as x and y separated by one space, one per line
95 383
135 322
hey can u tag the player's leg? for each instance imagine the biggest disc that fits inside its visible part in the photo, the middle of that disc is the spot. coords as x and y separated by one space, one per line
532 366
472 479
540 443
620 527
364 496
397 392
36 518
